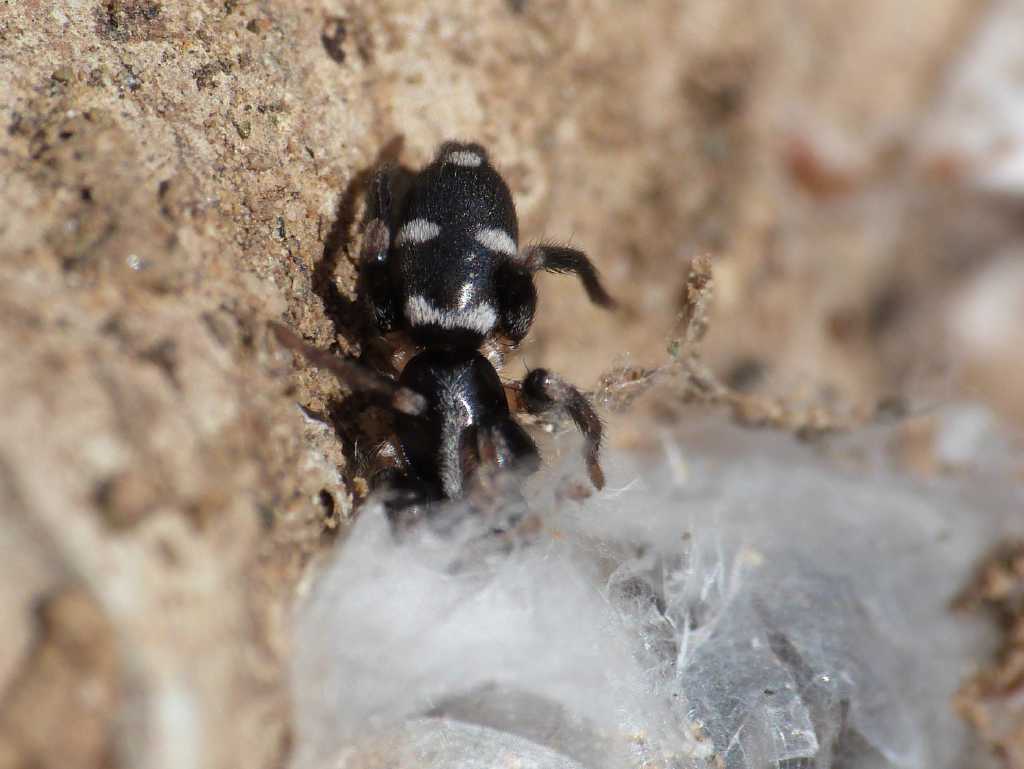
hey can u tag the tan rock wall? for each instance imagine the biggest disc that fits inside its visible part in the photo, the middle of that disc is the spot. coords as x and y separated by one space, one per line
175 174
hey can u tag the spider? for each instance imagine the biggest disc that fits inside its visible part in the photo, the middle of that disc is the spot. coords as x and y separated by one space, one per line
453 419
444 268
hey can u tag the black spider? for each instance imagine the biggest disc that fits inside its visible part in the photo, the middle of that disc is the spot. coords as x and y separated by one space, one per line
448 269
448 272
452 418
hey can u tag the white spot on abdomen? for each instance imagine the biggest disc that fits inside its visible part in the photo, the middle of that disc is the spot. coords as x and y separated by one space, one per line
496 240
417 231
420 311
464 158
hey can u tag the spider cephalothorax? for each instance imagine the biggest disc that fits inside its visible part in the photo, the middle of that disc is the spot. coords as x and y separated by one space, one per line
452 418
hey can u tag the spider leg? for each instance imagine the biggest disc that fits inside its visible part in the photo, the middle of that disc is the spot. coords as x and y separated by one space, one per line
543 391
373 258
507 444
567 260
517 300
495 352
388 354
355 375
489 452
406 499
495 459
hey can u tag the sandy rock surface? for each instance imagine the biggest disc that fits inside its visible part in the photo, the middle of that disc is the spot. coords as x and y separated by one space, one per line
175 174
